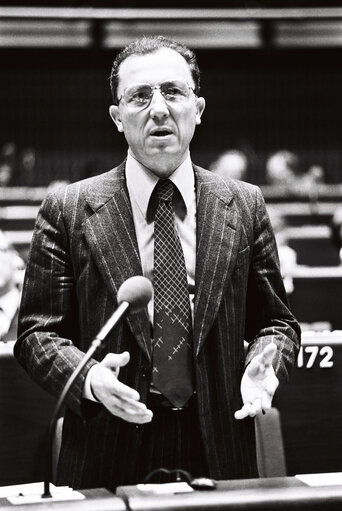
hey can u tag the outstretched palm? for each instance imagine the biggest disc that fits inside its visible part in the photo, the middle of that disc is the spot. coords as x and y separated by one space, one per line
258 384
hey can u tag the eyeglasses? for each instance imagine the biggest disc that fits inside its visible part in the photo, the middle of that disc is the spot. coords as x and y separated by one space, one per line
140 94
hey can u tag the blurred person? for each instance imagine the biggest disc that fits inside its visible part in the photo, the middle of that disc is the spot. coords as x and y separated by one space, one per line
8 157
316 174
232 163
283 168
187 393
5 174
27 166
10 267
287 255
336 231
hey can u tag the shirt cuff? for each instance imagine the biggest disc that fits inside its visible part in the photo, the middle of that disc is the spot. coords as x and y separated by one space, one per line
87 391
5 323
9 303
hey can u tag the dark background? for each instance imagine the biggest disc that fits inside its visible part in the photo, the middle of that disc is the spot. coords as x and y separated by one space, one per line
56 102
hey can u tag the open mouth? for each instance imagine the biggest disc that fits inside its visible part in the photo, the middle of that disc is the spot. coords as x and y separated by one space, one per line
161 132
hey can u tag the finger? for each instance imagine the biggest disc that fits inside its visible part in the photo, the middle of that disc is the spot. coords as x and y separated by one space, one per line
129 412
129 406
271 385
128 416
104 385
266 401
255 367
137 419
116 360
123 391
260 363
243 412
255 408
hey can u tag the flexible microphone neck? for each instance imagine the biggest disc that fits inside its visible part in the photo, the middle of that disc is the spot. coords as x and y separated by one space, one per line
134 294
57 413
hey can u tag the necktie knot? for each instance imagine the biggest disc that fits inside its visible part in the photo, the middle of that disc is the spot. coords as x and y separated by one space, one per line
165 190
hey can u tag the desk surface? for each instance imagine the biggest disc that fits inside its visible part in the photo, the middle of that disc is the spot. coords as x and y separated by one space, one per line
280 494
97 499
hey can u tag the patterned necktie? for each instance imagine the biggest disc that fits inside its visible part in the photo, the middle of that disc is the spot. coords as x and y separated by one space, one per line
172 353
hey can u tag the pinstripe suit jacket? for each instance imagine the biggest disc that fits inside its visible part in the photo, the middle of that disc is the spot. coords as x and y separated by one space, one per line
84 247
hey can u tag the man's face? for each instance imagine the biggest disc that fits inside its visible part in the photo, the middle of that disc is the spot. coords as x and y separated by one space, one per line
158 134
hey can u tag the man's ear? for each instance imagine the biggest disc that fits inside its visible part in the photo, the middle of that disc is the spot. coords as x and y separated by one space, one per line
115 115
200 106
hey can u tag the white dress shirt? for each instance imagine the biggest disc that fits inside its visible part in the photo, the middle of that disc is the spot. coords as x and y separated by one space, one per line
140 183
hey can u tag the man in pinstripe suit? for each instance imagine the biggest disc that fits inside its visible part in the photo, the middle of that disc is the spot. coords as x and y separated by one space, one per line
93 235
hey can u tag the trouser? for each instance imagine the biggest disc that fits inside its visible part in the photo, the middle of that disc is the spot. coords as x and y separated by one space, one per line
171 441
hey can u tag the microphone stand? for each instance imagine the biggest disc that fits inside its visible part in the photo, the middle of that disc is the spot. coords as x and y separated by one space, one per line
96 343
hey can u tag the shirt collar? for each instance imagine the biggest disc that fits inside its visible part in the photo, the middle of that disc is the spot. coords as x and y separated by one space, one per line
141 182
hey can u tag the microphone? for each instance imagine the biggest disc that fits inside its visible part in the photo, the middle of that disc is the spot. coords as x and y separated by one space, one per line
134 294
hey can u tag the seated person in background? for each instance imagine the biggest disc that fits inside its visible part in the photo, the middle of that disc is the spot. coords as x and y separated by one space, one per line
336 231
282 168
8 155
287 256
10 264
315 174
233 164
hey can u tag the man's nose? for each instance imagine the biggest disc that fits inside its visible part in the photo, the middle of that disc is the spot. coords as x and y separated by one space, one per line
158 107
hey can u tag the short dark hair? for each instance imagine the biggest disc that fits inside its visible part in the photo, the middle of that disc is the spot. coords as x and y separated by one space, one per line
151 44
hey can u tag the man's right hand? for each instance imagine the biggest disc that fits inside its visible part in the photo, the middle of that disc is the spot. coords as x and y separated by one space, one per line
121 400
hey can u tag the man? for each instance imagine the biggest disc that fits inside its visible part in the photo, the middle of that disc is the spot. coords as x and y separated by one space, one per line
95 234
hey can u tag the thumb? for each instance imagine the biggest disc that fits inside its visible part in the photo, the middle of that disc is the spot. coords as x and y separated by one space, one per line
268 353
114 361
260 363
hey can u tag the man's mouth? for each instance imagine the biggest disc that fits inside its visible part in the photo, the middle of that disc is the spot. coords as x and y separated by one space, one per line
160 132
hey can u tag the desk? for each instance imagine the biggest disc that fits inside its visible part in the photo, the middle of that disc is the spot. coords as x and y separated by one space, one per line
96 500
276 494
314 251
317 295
25 413
310 406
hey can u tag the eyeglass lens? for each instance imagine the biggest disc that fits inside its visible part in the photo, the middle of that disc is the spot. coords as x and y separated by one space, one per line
141 94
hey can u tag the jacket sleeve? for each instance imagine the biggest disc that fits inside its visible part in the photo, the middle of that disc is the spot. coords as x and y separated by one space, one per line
48 333
268 318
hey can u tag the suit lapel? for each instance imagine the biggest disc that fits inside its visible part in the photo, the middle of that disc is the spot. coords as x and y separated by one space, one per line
218 234
111 236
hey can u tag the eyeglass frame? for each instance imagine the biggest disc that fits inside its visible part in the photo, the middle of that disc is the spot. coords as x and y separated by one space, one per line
156 87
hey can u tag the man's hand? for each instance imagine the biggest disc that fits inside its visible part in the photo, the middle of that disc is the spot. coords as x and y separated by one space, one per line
258 384
119 399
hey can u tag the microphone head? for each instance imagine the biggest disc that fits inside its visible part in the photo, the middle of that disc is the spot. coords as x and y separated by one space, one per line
137 291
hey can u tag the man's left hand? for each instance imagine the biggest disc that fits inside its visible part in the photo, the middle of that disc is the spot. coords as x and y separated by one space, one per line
258 384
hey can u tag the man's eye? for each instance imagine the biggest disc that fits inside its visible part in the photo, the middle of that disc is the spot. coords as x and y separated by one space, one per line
172 92
139 97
